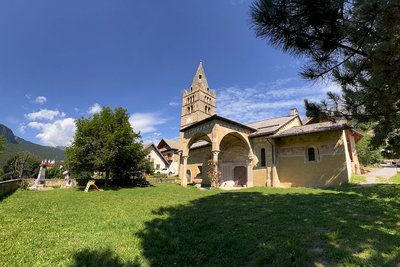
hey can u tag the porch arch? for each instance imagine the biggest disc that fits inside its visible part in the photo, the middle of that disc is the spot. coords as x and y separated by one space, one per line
235 160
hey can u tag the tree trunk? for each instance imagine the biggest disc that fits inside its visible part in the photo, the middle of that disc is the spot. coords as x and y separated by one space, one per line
107 177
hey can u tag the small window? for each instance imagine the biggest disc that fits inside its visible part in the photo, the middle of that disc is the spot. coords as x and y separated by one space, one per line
263 161
157 166
311 154
205 109
200 76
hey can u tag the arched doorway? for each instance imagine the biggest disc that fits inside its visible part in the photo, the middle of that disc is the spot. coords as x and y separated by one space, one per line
233 161
199 152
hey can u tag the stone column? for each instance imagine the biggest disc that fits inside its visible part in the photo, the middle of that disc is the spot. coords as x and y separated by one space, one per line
184 171
215 162
249 171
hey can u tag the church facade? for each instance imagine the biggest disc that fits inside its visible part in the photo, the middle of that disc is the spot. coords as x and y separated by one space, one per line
277 152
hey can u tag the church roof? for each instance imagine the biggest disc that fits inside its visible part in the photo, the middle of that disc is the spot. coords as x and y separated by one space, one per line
216 117
200 80
312 128
269 126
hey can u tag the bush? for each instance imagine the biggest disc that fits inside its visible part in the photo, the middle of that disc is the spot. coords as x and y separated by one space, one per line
24 185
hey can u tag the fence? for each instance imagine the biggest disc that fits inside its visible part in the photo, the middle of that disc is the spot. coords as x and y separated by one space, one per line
8 187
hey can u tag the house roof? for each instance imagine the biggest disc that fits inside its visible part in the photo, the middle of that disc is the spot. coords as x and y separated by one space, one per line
216 117
312 128
147 147
269 126
172 143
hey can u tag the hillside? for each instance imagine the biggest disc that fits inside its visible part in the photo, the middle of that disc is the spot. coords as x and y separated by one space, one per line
16 144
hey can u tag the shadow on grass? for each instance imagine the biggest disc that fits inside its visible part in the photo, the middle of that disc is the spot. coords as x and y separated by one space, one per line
94 258
346 226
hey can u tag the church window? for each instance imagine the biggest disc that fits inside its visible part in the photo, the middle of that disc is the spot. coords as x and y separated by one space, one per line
263 161
200 76
208 90
312 154
191 89
209 110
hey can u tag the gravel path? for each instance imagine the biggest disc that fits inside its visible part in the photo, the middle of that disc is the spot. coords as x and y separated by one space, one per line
380 175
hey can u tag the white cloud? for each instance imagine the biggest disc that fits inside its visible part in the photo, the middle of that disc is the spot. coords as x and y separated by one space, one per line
40 100
57 133
146 122
45 114
21 128
173 103
152 138
96 108
268 101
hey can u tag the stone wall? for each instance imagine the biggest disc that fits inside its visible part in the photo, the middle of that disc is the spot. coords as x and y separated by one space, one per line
52 182
329 168
8 187
153 181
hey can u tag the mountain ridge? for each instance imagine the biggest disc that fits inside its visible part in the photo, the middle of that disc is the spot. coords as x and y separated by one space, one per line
17 144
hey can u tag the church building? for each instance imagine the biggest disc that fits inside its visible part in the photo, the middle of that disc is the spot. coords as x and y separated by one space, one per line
277 152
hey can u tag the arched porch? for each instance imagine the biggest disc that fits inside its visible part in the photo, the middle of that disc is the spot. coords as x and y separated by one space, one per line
220 147
234 161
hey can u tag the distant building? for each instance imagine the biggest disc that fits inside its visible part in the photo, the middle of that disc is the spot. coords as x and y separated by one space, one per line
169 148
278 152
155 157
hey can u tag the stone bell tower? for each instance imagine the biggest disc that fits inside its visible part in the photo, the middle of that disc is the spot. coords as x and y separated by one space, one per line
198 102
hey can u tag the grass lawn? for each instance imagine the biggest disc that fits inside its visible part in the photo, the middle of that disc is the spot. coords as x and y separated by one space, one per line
167 225
357 179
395 179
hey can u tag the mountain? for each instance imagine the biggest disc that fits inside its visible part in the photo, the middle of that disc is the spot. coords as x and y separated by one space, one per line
16 144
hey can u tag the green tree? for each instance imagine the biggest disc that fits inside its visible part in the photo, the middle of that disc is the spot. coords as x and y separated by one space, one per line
367 154
2 144
106 143
354 43
22 164
54 172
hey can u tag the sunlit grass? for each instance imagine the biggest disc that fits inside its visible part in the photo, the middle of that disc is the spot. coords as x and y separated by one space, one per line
168 225
395 179
357 179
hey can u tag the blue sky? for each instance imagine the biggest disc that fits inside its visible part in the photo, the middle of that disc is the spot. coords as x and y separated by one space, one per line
60 60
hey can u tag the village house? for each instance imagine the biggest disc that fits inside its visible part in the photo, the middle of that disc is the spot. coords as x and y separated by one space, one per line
155 157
